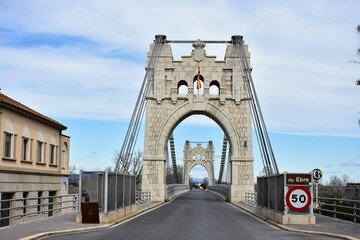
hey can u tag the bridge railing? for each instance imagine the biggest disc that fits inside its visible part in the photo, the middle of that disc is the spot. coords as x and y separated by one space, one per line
43 207
250 198
345 209
142 197
111 190
221 189
174 190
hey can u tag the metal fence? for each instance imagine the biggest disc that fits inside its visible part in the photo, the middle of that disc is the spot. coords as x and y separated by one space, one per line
250 198
270 192
222 189
339 208
111 190
19 208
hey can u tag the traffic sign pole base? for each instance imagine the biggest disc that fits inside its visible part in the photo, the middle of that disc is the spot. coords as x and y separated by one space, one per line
286 219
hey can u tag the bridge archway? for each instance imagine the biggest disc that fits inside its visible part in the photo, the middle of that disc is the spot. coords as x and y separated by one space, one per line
199 155
196 167
166 108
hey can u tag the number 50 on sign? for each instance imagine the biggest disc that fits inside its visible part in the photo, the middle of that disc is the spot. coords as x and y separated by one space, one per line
298 198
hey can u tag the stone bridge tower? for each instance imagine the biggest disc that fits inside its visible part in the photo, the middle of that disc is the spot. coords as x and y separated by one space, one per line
167 107
199 156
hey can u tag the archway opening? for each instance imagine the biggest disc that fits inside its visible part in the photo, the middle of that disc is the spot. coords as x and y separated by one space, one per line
198 128
214 88
198 85
182 87
198 177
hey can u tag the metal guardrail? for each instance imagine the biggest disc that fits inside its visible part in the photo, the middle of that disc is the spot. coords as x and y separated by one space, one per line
222 189
251 198
174 190
339 208
142 197
43 206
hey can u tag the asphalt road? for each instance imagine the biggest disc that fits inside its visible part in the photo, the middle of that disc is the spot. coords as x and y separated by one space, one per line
193 215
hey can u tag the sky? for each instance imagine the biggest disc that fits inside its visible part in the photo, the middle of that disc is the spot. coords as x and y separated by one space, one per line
82 63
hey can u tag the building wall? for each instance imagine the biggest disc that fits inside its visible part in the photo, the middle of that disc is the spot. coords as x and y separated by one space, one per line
22 175
35 131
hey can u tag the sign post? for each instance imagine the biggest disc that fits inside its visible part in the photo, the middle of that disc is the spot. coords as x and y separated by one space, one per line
317 175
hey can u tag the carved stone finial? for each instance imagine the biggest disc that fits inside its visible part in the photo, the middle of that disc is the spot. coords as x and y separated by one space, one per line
198 44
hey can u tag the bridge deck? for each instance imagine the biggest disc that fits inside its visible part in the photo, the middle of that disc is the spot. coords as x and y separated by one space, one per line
193 215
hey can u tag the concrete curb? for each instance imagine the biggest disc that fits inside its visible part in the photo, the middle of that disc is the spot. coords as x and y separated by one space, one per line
297 230
73 230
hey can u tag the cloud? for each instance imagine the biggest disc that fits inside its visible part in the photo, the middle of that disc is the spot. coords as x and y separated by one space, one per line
87 58
93 154
350 164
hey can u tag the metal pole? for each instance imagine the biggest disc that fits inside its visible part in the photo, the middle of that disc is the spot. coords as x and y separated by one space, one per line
317 193
106 192
80 189
123 191
116 190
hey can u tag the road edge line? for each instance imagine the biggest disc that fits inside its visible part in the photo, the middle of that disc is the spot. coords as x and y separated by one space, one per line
283 227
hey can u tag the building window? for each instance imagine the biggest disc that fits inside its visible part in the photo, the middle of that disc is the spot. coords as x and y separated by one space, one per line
40 158
63 153
25 149
52 154
7 146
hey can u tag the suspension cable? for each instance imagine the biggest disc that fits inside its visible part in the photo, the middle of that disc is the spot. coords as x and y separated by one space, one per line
223 158
132 133
258 119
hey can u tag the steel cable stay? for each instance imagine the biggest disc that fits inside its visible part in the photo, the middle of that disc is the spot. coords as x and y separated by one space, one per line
173 157
258 120
132 133
262 147
223 158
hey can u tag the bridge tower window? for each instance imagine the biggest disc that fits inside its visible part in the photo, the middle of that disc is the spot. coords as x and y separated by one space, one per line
214 87
199 91
182 87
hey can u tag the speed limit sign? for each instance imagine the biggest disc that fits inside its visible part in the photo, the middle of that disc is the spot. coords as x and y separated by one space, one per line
298 198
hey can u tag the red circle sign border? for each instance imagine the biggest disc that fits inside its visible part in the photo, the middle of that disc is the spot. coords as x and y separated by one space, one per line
289 203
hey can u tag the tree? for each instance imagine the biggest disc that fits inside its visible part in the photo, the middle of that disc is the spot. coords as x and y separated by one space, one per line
130 166
170 176
336 186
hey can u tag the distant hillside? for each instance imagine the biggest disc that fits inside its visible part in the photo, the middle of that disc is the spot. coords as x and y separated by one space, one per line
198 180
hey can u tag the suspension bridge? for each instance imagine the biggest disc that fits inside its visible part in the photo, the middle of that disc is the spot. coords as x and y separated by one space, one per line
199 214
235 108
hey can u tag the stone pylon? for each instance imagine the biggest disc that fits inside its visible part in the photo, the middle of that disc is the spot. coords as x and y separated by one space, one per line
199 156
221 97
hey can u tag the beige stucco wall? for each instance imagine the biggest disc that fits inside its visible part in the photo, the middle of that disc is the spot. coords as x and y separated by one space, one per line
37 128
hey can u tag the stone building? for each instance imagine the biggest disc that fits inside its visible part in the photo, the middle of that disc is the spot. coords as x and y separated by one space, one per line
34 160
